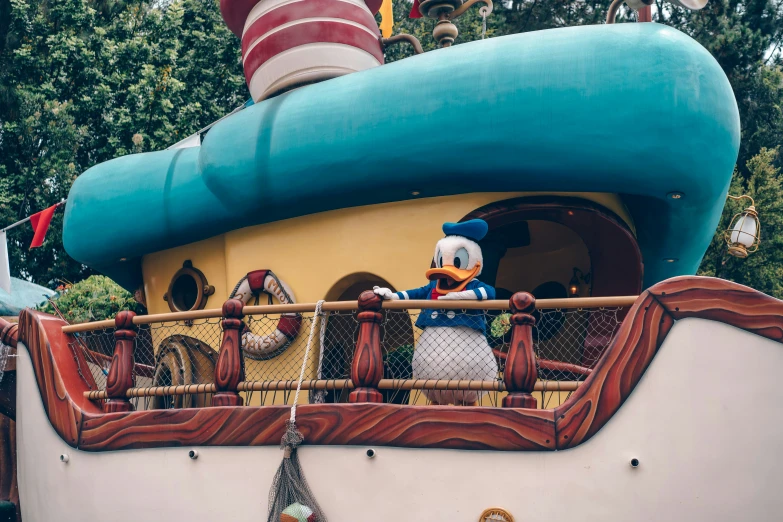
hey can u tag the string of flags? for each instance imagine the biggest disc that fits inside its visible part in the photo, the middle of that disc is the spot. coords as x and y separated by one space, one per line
40 222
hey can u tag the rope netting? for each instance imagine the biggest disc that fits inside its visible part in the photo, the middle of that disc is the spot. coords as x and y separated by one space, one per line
284 363
567 344
4 355
166 354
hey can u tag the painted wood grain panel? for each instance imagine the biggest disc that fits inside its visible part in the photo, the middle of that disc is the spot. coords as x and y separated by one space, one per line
62 373
336 424
616 374
722 301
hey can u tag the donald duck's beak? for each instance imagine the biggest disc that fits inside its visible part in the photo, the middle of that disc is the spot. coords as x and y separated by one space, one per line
451 278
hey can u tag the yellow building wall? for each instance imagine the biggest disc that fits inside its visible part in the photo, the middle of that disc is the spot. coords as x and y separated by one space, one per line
394 241
208 255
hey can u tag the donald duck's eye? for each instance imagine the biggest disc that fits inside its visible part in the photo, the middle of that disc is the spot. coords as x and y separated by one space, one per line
440 262
461 258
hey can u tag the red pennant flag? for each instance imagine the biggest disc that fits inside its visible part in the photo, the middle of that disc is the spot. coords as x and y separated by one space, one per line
40 223
415 10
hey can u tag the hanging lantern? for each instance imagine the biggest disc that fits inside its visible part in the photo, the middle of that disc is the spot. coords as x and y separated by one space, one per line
744 232
575 284
573 287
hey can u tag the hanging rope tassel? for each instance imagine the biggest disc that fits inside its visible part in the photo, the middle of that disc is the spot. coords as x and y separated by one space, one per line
289 487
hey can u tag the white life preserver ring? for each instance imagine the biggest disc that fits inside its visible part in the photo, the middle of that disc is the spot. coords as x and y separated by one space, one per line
263 347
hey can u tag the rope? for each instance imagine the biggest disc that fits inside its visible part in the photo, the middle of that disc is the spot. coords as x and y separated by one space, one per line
282 287
319 395
236 288
317 314
289 485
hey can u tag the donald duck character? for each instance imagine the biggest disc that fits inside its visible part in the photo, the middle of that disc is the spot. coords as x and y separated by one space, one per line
453 345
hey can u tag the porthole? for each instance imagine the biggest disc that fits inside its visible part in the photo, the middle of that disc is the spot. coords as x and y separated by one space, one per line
188 290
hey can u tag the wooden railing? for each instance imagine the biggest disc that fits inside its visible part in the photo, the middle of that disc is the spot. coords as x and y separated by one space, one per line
348 306
334 384
646 327
366 382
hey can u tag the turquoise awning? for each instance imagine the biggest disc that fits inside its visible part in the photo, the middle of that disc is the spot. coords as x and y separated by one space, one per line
640 110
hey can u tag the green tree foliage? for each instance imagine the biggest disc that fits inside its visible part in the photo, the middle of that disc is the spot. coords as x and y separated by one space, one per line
469 26
85 81
93 299
745 37
762 270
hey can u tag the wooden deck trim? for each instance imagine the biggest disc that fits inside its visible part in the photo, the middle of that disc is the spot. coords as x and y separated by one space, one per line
642 334
331 424
80 422
62 374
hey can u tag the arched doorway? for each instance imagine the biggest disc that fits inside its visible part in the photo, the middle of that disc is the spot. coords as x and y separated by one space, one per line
342 330
539 239
541 243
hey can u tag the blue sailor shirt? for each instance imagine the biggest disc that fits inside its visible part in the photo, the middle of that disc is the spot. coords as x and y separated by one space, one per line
434 317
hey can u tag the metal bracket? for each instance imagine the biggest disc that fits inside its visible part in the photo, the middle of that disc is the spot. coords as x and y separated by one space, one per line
484 11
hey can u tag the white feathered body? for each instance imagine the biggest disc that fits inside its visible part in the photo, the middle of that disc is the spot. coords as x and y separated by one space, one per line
453 353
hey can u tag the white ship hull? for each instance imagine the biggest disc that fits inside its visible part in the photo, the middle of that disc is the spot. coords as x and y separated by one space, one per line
705 422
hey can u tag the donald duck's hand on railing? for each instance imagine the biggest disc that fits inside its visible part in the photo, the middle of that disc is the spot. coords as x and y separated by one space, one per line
385 293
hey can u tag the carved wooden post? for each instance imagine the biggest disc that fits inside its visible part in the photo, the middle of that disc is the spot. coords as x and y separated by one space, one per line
230 367
120 377
9 332
520 373
367 366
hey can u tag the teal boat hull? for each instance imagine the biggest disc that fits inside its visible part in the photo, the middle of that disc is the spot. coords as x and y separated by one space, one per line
640 110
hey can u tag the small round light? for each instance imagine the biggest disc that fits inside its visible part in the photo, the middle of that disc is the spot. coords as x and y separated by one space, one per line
675 195
671 260
415 193
370 453
634 463
193 454
64 458
570 212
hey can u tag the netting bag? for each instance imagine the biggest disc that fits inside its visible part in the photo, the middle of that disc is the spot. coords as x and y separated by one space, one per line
289 485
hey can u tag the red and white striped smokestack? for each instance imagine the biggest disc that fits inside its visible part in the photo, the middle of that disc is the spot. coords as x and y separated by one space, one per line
289 43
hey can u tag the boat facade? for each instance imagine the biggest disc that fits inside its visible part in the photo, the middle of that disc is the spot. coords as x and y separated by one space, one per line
640 437
284 264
